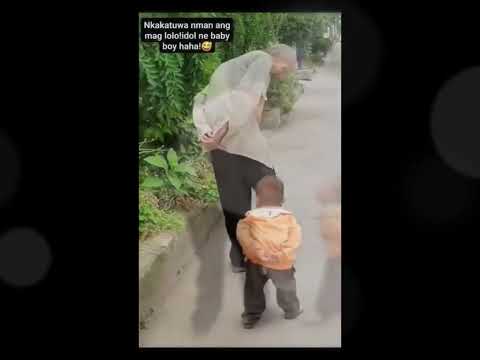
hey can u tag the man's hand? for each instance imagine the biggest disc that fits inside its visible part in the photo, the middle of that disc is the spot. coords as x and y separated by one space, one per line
211 141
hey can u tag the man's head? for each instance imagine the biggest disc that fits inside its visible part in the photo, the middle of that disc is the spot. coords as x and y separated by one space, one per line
269 191
284 60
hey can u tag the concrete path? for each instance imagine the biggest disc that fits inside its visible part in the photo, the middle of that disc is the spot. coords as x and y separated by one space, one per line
205 306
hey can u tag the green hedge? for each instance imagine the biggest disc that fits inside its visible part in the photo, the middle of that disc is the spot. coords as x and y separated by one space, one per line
282 94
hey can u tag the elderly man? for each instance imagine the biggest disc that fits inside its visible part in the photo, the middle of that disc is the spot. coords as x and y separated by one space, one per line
227 114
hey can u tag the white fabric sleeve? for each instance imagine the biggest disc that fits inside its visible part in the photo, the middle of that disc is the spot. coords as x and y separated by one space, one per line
256 79
198 116
244 99
242 110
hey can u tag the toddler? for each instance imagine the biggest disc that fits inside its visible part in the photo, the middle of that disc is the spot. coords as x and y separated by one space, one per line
269 236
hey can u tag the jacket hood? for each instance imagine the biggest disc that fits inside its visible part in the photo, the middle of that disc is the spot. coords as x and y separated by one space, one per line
267 212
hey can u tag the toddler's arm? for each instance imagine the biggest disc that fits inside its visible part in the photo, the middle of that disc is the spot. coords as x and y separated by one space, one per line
249 246
243 235
294 239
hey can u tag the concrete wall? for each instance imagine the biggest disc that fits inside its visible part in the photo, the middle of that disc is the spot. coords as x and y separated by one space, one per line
164 256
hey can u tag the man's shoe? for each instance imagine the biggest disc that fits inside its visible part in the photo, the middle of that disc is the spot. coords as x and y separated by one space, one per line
249 322
294 315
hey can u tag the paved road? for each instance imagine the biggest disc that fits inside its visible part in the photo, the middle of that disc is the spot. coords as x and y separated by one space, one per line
205 306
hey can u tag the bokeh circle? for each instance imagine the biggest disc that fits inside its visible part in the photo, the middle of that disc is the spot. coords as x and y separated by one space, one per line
455 122
25 257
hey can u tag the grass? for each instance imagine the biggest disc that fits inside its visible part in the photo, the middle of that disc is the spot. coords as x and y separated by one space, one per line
152 219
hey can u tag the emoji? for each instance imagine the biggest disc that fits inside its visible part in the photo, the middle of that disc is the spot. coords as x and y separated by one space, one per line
206 46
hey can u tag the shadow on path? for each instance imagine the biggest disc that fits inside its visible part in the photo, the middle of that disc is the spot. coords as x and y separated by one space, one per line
209 281
329 297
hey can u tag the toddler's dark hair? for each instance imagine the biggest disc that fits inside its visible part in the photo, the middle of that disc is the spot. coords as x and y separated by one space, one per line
270 190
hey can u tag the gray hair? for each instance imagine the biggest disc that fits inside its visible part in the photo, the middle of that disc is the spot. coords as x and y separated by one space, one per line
283 52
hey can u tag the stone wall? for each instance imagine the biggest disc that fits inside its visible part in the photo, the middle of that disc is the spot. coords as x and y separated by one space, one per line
163 257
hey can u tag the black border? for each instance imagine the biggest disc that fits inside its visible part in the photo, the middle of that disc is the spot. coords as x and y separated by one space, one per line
69 107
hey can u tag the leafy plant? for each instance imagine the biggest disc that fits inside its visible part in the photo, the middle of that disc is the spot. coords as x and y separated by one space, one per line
282 94
197 181
205 189
163 102
172 173
168 84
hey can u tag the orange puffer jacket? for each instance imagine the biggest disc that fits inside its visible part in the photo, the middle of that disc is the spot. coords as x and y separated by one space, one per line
270 237
330 223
